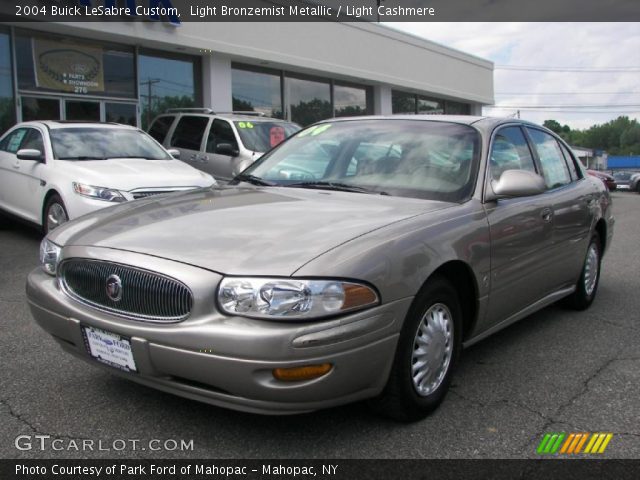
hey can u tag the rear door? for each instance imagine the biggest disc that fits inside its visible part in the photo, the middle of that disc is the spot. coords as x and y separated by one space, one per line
571 199
520 230
188 137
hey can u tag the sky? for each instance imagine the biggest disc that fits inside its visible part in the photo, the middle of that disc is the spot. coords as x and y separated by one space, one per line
612 48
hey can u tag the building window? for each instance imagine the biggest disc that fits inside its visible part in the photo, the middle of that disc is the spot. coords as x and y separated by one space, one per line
257 90
35 108
306 99
427 105
457 108
74 66
402 102
7 102
410 103
350 101
309 100
167 81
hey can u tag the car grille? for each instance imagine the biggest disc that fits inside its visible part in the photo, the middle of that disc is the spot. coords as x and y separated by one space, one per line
150 193
145 295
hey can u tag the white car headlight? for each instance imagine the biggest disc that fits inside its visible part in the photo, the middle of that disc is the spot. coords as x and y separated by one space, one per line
99 193
49 256
292 298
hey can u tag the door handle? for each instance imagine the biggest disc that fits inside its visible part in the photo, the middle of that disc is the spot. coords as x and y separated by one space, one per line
546 214
193 157
16 165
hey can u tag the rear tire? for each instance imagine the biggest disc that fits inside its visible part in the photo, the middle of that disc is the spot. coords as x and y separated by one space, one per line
55 214
426 355
587 285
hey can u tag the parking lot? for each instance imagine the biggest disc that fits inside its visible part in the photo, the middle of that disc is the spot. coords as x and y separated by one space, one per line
556 371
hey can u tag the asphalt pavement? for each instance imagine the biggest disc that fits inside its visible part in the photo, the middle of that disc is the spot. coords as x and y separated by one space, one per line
555 371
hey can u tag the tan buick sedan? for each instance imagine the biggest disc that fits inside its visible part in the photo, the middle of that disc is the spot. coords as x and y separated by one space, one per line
352 262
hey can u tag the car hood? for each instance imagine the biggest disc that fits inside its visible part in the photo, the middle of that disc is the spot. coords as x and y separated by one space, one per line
241 231
131 173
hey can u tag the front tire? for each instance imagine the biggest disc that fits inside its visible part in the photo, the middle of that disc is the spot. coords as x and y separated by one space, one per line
55 214
427 352
587 285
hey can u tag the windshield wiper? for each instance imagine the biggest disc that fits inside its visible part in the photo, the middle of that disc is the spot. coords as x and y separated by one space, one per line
254 180
82 157
342 187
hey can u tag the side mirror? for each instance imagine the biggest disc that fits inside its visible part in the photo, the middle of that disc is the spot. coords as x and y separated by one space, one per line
516 183
226 149
30 154
174 153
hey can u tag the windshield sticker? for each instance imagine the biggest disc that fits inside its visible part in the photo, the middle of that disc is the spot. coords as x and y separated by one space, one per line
313 131
245 125
16 140
276 135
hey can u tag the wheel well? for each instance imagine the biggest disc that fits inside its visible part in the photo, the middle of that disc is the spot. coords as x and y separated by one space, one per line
601 228
460 275
49 194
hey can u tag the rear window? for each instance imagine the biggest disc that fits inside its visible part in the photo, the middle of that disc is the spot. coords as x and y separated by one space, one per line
160 127
189 132
263 136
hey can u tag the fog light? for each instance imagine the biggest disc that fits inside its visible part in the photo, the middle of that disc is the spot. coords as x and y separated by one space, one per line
296 374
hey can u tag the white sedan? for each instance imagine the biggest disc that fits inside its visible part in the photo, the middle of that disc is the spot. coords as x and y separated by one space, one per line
52 171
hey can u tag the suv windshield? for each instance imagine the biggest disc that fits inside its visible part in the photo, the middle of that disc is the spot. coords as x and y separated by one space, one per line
91 143
261 136
410 158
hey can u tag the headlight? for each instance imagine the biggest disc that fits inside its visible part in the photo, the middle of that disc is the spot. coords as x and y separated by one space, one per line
291 298
49 256
99 193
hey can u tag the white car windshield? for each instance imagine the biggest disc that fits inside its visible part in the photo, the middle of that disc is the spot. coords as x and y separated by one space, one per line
91 143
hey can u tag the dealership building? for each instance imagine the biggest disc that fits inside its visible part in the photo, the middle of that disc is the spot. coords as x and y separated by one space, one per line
130 71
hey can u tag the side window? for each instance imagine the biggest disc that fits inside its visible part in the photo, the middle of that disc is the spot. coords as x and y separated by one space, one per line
574 170
554 168
11 143
160 127
33 140
189 132
221 132
510 151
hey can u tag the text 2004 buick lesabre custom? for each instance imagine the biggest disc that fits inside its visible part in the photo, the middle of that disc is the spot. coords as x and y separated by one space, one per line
351 262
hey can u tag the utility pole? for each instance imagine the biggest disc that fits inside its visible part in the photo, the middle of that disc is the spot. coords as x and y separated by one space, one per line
149 83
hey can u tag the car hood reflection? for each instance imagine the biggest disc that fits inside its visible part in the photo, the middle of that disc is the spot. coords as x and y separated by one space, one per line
242 231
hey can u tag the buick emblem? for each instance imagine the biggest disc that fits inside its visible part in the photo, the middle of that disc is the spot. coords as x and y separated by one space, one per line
114 288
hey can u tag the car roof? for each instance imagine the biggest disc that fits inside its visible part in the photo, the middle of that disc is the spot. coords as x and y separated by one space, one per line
58 124
477 121
227 115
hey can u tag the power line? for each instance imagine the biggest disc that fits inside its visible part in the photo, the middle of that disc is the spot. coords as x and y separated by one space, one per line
626 105
566 93
532 68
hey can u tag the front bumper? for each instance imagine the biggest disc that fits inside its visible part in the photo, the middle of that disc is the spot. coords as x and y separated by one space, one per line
228 361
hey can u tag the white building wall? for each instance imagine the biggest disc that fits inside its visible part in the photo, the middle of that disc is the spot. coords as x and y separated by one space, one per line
361 52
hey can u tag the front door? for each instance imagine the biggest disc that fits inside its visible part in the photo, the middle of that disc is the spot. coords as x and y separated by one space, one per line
521 231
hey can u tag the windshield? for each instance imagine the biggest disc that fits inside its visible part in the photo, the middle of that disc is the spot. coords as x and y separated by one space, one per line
263 136
95 143
410 158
